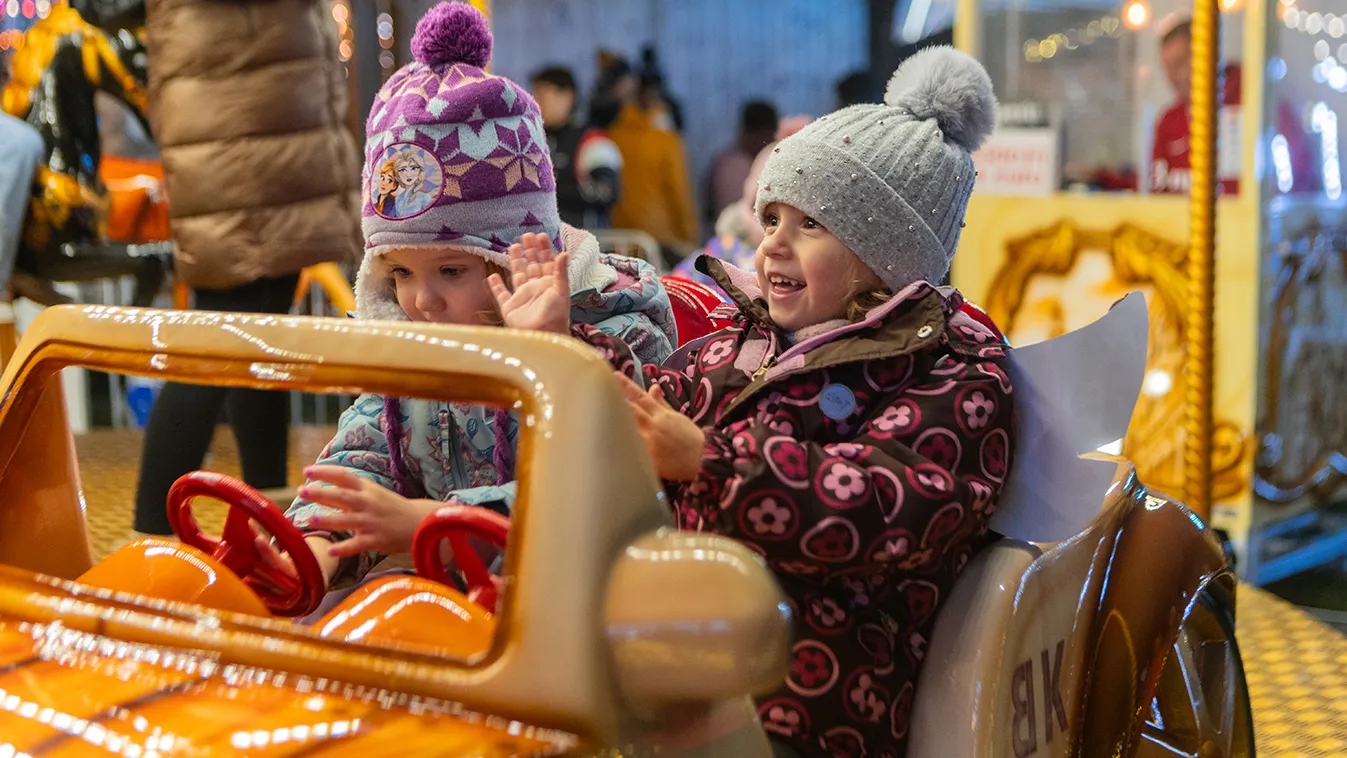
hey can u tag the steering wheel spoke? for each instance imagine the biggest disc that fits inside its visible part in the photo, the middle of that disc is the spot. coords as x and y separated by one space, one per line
460 524
269 581
236 548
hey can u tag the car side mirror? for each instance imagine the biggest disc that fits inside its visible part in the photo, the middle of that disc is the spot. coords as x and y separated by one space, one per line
695 618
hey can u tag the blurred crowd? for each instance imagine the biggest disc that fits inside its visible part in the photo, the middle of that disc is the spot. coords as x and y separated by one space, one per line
621 161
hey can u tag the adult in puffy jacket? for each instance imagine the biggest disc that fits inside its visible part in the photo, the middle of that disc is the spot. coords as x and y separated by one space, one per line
247 100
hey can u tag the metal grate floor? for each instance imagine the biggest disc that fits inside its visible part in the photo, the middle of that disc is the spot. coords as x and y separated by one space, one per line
109 461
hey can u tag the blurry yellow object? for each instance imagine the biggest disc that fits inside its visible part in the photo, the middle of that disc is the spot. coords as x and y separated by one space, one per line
334 284
1066 272
326 275
34 56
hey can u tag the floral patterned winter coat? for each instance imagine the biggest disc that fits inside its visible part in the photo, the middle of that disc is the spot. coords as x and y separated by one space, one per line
864 465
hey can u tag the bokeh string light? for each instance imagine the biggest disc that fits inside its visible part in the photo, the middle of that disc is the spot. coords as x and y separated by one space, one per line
383 26
341 13
1135 15
1037 51
384 29
1314 23
30 10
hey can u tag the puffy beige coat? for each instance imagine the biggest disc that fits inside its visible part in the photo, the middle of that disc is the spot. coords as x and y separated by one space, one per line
248 103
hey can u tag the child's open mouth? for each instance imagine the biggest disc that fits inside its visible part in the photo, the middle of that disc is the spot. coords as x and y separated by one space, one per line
783 286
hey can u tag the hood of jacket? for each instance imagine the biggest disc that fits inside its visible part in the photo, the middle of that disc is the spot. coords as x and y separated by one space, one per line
636 291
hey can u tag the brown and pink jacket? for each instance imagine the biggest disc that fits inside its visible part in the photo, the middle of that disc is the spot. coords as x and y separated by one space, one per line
863 464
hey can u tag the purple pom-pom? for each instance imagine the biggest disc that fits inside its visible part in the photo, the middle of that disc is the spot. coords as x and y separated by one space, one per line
452 33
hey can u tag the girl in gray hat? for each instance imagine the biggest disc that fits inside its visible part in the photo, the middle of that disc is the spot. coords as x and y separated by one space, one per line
855 424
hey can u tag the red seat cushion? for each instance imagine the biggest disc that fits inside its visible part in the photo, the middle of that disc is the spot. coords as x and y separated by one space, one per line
692 306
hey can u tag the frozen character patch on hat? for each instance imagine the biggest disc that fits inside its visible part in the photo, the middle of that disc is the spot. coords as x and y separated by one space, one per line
469 156
408 182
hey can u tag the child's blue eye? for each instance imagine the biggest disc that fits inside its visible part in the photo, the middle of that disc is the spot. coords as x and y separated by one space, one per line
451 272
400 272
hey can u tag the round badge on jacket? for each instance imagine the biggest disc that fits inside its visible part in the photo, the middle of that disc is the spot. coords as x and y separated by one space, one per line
837 401
409 180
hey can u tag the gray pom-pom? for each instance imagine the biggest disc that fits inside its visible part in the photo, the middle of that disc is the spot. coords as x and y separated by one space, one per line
951 87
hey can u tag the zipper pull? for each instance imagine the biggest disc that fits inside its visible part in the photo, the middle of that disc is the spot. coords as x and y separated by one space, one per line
767 364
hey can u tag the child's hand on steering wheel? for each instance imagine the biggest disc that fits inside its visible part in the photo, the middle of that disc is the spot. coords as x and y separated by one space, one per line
541 297
283 563
383 521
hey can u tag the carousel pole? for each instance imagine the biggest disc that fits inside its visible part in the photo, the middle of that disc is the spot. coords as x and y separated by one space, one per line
1200 367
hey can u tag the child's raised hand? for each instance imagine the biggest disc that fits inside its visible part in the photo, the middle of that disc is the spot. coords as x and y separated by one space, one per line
383 520
674 441
541 299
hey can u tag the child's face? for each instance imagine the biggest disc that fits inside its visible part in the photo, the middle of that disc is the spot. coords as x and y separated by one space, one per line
806 274
408 174
445 286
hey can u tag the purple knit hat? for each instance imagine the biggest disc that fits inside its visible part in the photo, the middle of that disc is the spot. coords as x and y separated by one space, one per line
455 155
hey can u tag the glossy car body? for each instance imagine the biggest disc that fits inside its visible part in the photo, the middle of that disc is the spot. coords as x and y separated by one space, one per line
1085 647
581 658
1082 648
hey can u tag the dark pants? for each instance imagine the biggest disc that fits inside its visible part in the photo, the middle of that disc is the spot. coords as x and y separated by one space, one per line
184 416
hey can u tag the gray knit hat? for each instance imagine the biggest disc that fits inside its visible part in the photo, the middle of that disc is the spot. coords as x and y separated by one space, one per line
892 181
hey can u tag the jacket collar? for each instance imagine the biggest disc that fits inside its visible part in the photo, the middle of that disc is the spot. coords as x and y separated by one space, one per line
913 319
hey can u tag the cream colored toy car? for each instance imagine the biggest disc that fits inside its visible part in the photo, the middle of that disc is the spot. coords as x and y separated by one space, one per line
1115 641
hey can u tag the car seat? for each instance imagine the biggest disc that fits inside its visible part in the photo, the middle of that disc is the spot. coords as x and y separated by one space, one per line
693 304
1085 630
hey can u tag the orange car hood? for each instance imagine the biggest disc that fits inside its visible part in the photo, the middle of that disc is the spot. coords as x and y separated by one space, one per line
69 688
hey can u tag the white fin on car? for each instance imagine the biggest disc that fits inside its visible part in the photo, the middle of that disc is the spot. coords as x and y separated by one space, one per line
1073 395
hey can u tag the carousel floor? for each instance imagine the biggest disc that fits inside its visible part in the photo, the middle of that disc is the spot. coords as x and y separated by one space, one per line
109 462
1296 665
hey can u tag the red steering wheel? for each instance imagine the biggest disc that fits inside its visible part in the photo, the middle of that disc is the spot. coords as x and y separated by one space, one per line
237 547
457 523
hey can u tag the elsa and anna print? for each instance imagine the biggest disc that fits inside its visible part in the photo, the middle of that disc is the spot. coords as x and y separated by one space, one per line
408 181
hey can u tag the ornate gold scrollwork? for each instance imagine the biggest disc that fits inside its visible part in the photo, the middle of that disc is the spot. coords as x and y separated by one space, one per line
1136 259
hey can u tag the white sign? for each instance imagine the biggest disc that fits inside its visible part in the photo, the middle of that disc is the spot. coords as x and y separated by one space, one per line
1019 161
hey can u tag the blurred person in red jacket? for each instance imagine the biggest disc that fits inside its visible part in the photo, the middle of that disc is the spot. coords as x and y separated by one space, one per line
1171 170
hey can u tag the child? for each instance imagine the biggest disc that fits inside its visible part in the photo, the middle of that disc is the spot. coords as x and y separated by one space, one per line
853 425
393 461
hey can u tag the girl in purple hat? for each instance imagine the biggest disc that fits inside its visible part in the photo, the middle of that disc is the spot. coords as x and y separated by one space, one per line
478 179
